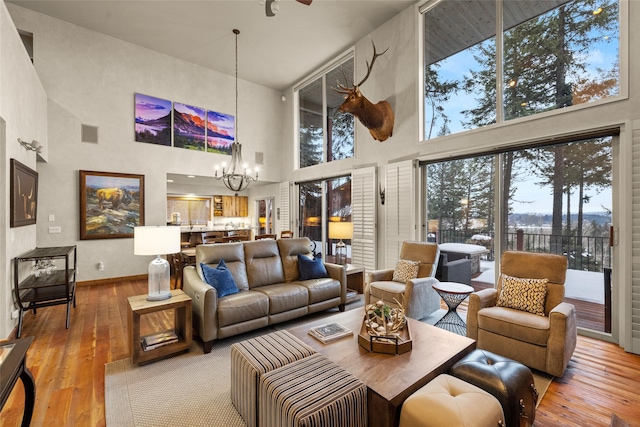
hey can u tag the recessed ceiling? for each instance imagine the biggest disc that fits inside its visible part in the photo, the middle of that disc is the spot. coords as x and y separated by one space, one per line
275 52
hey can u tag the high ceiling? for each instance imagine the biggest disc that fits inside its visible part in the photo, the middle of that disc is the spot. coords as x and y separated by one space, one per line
275 52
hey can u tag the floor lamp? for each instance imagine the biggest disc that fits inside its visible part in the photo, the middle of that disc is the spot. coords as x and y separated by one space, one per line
157 241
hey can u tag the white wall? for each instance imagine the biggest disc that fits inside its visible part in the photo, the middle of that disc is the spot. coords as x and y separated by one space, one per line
22 115
91 79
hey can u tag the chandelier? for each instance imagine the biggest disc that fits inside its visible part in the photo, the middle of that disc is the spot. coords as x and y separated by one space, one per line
237 176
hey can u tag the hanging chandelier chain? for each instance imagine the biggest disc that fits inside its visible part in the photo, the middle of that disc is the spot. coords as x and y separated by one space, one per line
232 178
236 32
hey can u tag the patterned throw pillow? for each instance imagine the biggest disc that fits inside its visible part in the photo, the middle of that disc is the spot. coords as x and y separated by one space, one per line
405 270
523 294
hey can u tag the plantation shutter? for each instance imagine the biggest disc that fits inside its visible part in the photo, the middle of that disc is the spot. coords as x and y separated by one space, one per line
363 216
283 216
399 190
635 252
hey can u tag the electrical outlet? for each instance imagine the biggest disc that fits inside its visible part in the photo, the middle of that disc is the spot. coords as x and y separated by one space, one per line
101 266
15 314
55 230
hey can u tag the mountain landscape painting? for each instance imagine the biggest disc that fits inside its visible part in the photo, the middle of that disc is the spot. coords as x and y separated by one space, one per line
220 132
153 120
188 127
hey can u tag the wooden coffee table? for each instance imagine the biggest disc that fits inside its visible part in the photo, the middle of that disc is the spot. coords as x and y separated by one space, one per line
390 379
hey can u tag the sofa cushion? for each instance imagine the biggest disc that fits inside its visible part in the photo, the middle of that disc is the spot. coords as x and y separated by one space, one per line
516 324
321 289
262 260
523 294
241 307
220 278
311 268
405 270
284 296
233 256
289 251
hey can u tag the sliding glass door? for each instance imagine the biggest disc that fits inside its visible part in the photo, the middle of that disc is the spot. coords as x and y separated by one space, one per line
323 202
552 199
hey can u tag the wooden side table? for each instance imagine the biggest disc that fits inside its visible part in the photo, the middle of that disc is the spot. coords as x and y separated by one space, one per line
138 305
355 282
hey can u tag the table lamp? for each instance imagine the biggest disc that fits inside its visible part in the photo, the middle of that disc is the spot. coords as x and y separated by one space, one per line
157 241
341 230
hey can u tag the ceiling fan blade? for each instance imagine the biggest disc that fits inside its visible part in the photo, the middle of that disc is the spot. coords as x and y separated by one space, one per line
307 2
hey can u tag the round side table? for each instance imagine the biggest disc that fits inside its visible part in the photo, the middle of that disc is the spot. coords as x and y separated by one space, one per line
452 294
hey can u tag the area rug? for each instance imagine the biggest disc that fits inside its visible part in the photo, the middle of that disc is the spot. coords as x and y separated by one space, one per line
542 380
191 389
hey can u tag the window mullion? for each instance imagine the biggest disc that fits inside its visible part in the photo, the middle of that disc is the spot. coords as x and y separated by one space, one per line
325 130
499 62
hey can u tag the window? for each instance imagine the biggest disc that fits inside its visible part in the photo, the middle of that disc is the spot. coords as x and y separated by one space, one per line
335 194
325 134
193 210
555 199
555 54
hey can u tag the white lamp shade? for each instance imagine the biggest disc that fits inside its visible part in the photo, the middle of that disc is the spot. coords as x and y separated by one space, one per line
340 230
156 240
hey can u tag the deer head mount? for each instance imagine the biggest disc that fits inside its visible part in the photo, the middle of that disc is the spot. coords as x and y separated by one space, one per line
378 118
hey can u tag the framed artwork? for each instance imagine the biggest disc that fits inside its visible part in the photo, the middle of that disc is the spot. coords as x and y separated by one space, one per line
24 195
153 120
189 124
220 132
111 204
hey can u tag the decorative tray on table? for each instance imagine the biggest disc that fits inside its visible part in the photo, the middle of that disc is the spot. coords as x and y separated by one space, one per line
385 329
386 344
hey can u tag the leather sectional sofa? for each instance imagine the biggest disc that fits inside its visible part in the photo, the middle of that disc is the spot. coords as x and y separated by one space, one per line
266 273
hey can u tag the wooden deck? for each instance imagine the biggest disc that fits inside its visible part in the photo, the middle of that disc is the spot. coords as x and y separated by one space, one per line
590 315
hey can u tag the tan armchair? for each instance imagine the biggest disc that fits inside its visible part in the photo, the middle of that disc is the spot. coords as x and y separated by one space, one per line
420 299
545 343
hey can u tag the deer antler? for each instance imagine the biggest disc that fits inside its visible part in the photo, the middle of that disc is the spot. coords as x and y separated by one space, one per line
370 66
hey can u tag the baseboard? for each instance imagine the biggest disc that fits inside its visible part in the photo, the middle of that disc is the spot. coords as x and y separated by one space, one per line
112 280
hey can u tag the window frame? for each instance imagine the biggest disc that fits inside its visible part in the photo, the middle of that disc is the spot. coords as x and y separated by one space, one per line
349 54
623 74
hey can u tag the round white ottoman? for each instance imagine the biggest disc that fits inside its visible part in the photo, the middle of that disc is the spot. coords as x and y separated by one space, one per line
449 401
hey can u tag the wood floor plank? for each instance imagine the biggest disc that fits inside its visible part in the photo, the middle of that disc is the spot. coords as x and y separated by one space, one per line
68 366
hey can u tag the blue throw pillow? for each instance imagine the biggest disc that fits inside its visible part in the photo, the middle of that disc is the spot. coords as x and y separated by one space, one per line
220 278
311 268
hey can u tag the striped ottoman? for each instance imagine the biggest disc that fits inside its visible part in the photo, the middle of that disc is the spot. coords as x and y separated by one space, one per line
252 358
312 392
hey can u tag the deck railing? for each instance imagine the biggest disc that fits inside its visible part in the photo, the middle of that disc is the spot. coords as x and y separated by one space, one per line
587 253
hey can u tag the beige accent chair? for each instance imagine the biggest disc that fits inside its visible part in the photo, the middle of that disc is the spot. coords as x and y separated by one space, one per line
417 295
545 343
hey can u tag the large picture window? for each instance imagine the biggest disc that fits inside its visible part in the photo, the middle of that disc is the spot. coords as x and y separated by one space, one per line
555 54
325 134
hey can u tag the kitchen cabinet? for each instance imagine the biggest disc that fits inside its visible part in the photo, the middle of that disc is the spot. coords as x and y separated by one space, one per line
218 206
235 206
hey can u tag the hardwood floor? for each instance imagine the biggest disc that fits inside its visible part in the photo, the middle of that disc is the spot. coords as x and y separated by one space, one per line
68 366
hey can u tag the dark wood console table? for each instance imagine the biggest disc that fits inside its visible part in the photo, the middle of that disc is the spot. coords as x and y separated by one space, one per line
46 288
12 367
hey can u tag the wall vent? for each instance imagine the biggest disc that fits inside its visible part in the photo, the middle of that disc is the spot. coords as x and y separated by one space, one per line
90 134
259 158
